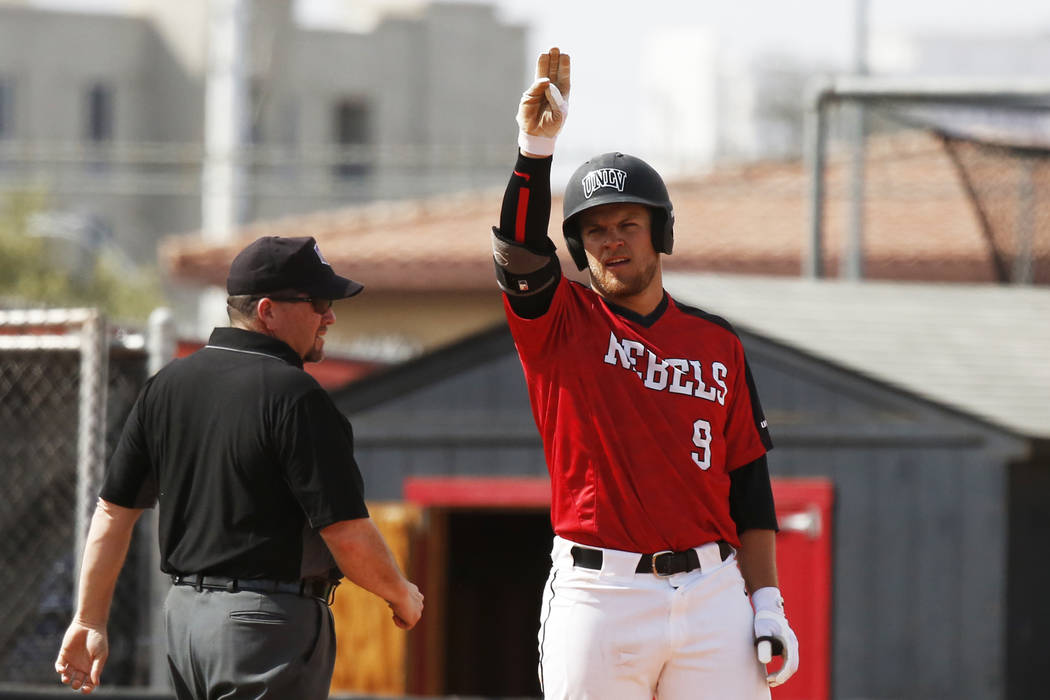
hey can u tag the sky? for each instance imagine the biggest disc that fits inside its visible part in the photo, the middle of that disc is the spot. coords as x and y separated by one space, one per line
813 28
605 39
808 28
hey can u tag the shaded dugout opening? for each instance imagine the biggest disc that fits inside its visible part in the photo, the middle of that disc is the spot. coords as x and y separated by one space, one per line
486 562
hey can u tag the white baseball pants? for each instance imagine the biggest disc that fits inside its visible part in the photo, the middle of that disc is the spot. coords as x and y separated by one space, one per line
617 635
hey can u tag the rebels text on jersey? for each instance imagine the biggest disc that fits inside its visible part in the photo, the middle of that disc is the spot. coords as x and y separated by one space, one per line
642 419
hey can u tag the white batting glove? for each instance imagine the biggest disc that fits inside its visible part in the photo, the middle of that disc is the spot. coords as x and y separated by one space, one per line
773 636
558 107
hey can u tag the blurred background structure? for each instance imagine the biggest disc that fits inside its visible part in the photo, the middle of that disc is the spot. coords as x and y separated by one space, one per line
852 182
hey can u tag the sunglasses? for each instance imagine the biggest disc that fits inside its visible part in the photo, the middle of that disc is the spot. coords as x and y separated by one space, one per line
321 306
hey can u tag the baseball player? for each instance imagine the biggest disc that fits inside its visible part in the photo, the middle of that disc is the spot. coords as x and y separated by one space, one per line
653 434
261 502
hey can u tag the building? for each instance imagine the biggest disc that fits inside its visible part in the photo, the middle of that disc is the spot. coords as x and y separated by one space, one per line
111 127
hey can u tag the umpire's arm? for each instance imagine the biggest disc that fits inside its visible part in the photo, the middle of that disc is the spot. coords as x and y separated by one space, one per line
364 558
85 645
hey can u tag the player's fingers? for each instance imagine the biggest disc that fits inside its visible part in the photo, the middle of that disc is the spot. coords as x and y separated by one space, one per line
554 64
543 64
564 71
765 652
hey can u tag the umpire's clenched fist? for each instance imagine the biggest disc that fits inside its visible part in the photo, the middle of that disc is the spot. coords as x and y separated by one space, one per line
409 608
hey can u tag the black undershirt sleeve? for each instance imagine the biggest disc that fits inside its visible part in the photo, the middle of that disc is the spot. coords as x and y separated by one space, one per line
523 223
751 497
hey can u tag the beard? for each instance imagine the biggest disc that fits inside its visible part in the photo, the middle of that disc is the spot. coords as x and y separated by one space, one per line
611 286
316 353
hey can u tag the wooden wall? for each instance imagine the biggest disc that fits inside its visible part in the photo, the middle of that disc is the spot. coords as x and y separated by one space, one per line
373 653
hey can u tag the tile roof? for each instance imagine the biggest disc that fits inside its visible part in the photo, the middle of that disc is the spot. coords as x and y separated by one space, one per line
982 349
751 219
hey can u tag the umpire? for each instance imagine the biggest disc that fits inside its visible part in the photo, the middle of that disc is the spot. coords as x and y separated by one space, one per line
261 504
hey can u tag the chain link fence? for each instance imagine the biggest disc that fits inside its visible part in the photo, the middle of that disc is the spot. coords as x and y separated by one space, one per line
66 388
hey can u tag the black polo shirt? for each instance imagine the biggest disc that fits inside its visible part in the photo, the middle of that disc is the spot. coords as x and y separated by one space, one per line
248 457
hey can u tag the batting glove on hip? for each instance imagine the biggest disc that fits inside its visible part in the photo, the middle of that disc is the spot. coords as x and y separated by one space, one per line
773 636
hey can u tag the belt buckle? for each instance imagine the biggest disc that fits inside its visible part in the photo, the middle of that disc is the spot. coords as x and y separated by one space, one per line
652 563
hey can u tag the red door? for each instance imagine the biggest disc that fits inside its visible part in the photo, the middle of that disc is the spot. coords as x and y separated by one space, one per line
804 511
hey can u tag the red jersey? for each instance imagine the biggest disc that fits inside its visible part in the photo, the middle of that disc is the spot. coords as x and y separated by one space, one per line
642 419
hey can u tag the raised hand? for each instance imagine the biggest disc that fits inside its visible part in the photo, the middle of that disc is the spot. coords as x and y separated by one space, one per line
544 106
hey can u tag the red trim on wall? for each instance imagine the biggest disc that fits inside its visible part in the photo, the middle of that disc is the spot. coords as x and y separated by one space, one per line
487 492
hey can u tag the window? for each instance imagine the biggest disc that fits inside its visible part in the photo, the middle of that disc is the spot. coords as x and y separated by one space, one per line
99 123
351 135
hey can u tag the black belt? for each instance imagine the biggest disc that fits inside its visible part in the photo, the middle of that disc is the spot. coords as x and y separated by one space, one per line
660 563
320 588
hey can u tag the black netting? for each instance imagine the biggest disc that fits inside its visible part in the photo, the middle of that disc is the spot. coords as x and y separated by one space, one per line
1000 155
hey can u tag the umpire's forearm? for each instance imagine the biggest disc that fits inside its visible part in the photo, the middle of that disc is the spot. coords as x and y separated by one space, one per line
108 539
365 559
757 558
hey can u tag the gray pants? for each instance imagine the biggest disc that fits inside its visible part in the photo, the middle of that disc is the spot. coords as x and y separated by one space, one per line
247 645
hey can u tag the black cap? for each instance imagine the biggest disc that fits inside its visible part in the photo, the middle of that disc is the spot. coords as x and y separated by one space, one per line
274 264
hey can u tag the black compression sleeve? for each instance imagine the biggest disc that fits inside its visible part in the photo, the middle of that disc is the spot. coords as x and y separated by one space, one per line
526 209
523 222
751 497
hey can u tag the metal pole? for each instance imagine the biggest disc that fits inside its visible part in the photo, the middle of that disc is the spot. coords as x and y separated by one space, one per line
224 119
1025 223
852 266
815 123
160 344
225 125
91 429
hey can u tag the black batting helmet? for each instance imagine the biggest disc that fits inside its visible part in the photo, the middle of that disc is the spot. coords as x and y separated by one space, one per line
616 178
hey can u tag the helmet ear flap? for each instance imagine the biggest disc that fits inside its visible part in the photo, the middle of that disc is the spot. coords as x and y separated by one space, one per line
663 230
575 246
